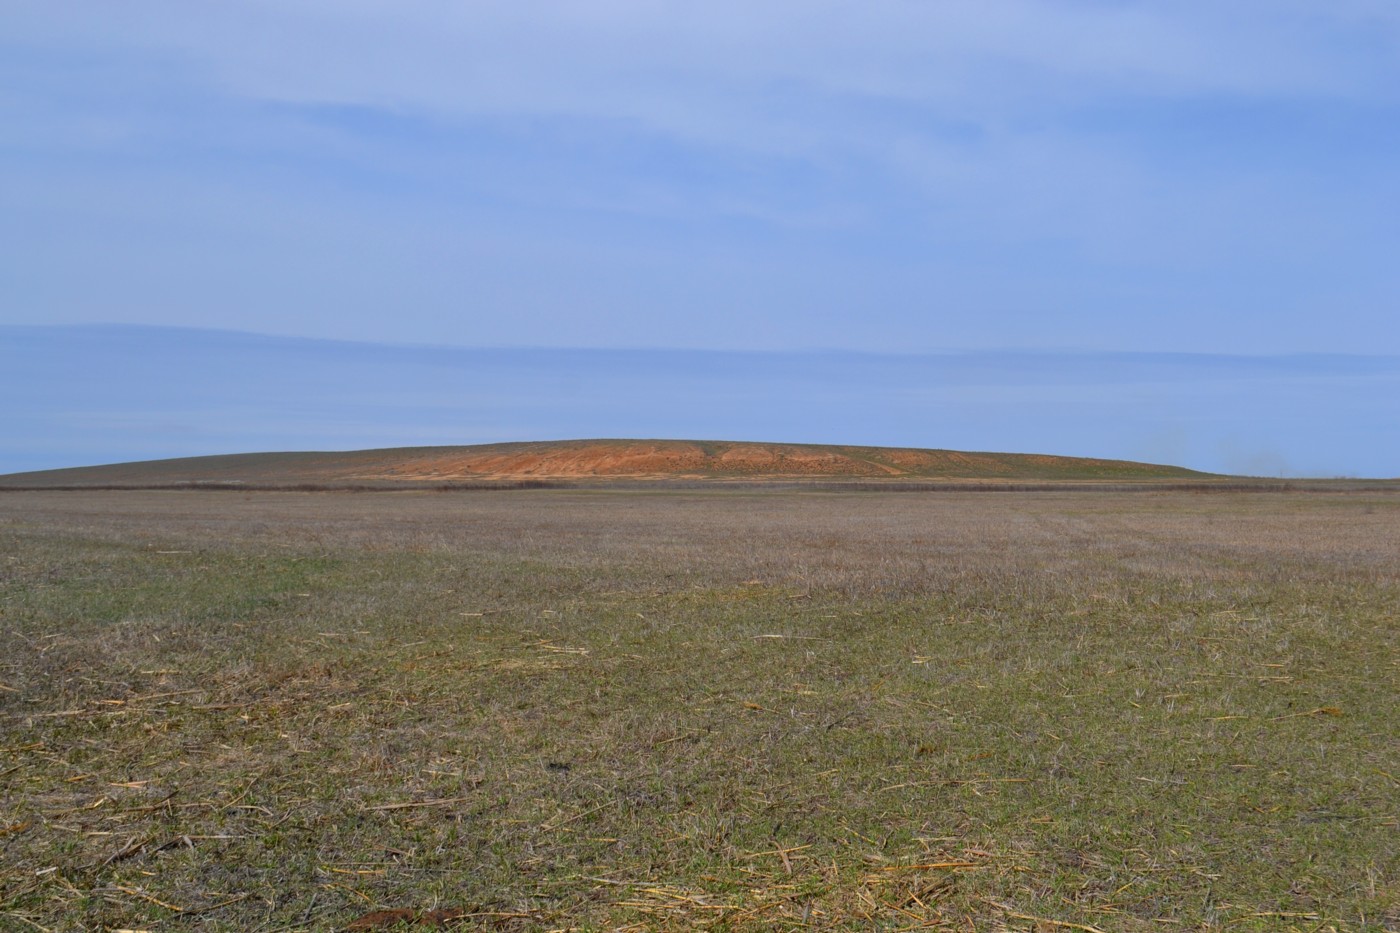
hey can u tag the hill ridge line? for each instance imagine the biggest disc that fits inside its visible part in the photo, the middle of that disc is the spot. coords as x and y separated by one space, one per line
606 458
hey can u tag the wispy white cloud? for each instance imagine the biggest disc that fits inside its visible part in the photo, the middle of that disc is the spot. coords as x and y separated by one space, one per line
1078 172
721 70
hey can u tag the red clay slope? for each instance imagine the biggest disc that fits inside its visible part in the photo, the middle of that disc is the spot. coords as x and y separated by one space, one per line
652 459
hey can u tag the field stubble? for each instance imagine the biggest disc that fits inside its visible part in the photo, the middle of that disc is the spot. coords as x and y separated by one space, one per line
738 710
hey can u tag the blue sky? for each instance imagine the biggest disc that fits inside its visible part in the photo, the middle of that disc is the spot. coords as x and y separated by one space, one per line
1211 178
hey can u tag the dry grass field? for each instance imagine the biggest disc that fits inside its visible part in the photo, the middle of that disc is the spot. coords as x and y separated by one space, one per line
740 709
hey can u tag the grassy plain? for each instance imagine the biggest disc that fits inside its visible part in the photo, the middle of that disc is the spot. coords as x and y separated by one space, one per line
734 710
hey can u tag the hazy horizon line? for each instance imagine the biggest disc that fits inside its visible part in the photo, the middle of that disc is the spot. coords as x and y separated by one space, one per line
107 393
1008 350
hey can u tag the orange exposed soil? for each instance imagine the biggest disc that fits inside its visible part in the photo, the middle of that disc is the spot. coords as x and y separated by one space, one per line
642 458
739 459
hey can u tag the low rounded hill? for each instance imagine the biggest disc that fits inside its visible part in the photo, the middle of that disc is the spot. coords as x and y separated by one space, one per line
600 460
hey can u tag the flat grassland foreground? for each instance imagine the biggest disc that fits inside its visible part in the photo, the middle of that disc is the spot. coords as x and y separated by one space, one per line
743 709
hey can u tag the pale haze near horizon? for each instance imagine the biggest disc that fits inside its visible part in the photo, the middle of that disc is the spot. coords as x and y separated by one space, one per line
107 394
1073 177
